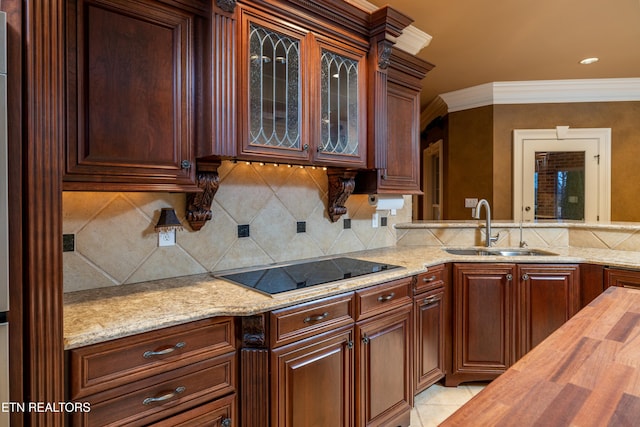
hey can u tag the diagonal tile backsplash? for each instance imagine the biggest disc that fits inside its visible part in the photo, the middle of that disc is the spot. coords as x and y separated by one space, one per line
115 241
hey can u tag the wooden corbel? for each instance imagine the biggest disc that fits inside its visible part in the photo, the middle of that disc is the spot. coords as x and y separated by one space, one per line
199 204
341 185
227 5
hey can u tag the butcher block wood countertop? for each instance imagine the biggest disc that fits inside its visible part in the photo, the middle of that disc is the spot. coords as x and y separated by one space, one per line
587 373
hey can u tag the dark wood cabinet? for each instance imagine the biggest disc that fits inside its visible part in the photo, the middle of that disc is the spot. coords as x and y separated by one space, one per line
132 81
343 360
156 375
431 326
482 321
429 312
384 395
547 296
302 86
394 131
219 413
313 381
621 277
384 392
501 311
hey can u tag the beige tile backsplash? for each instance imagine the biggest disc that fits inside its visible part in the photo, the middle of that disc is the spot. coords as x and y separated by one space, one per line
115 241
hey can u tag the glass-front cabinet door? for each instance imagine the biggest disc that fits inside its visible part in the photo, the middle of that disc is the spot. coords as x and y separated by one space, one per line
274 89
273 110
342 136
303 95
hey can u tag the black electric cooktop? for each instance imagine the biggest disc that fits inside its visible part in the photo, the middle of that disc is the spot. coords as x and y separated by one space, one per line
283 278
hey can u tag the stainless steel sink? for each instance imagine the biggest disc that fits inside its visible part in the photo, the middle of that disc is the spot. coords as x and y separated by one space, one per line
499 252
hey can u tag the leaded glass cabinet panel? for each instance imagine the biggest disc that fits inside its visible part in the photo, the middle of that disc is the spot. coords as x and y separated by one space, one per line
342 105
274 89
303 94
273 74
339 104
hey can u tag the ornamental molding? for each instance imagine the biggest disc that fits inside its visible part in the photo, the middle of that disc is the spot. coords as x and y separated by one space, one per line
542 92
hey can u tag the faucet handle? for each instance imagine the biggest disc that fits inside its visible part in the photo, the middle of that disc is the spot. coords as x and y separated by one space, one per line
493 239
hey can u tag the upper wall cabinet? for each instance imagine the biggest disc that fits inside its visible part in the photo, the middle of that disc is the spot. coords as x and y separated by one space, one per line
133 72
302 90
394 110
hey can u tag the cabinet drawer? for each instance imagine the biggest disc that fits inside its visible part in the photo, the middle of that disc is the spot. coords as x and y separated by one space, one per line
160 396
433 278
98 367
212 414
304 320
381 298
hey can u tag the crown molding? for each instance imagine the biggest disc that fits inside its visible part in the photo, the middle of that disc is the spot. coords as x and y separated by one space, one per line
412 40
543 91
434 109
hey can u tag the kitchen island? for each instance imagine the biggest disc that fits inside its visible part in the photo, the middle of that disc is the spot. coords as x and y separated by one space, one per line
587 373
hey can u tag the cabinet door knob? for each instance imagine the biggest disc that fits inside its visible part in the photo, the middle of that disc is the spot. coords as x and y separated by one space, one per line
164 397
349 344
150 353
305 147
525 276
383 298
365 340
185 164
509 276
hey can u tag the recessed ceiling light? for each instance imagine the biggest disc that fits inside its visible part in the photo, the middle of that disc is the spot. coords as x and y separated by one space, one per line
587 61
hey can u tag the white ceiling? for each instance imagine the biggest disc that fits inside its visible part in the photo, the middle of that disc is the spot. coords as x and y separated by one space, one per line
482 41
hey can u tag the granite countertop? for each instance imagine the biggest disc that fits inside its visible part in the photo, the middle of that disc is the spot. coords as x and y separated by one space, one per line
103 314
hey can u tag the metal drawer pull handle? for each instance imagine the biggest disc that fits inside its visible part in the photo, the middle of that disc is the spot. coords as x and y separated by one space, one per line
383 298
148 354
316 318
429 279
430 300
164 397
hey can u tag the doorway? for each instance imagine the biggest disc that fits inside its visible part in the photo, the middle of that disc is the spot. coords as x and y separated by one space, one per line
432 181
562 174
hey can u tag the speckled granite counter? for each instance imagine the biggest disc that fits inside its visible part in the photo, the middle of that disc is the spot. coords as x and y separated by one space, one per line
99 315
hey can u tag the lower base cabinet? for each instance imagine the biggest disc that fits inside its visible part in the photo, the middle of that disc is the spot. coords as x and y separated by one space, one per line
181 375
218 413
429 313
343 360
313 381
501 311
621 277
384 389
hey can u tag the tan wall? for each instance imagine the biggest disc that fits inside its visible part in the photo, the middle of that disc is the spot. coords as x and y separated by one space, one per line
469 160
622 117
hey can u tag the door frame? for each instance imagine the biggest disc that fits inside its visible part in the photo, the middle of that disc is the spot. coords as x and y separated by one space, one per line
560 133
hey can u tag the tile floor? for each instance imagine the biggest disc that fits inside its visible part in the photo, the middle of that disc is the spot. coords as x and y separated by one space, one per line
436 403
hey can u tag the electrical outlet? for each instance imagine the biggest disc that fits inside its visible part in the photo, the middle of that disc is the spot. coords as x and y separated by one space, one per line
470 202
167 238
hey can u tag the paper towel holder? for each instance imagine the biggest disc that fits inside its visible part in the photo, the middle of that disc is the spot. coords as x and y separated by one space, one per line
390 202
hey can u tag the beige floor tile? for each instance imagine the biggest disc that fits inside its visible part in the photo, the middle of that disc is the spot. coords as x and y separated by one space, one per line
437 403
